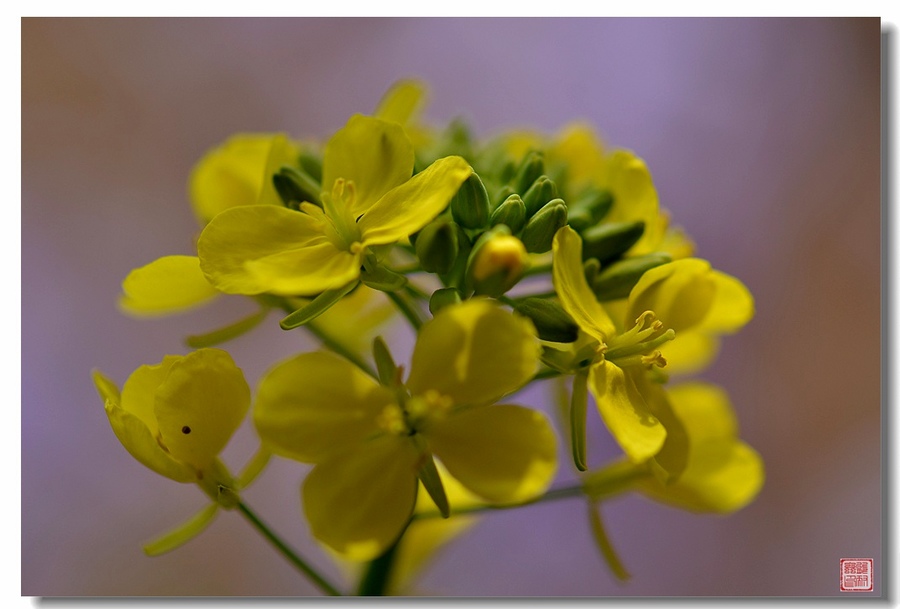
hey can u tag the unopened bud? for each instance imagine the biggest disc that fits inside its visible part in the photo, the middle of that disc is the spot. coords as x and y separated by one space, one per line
549 318
538 233
437 245
295 186
470 206
610 240
616 280
541 192
589 209
442 298
531 167
511 213
497 262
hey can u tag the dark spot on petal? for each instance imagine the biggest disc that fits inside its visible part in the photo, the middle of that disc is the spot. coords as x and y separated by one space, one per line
185 430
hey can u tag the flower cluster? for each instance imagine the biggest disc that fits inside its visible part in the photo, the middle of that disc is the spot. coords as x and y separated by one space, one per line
515 259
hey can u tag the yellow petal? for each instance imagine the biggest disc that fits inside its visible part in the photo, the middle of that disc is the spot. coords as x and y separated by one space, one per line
474 352
167 285
580 151
688 294
374 154
358 501
139 391
201 403
263 248
575 295
413 204
402 102
281 152
183 533
315 404
625 412
723 474
136 437
635 198
235 173
503 453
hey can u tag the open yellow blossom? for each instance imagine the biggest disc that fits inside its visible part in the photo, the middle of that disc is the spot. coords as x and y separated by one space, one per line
175 417
370 442
368 200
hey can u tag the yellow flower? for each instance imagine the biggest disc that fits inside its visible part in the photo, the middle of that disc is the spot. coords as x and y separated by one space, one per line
175 417
370 442
368 200
684 298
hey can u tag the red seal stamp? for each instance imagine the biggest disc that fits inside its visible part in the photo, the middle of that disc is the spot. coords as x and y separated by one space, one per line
856 575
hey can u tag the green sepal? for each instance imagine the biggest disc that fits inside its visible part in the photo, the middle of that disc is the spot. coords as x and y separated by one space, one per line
549 318
387 369
578 420
312 165
295 186
183 533
471 206
591 269
610 240
431 480
316 307
539 194
538 233
617 280
589 209
383 279
442 298
604 545
531 167
511 213
226 333
437 245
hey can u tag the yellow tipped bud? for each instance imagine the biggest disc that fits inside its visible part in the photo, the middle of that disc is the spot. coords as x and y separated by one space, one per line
498 264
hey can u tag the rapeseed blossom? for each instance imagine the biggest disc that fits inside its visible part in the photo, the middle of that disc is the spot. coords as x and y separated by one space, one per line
370 442
369 198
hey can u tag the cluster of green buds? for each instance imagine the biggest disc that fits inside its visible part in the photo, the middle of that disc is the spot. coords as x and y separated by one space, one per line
516 259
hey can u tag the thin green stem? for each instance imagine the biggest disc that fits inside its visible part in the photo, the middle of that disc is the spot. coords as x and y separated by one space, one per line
408 311
548 294
287 552
538 269
548 373
375 578
415 291
340 349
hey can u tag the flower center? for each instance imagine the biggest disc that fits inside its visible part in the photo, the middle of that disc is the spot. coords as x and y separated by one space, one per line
413 412
638 346
340 225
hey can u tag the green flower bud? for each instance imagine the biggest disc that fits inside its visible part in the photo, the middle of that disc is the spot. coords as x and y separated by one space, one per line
616 280
541 192
589 209
442 298
437 245
470 206
610 240
295 186
511 213
497 262
538 233
531 167
312 165
549 318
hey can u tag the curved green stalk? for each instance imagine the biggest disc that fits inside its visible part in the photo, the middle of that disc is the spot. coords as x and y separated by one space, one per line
288 553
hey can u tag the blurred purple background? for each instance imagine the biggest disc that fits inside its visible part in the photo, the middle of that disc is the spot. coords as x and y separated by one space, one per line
763 139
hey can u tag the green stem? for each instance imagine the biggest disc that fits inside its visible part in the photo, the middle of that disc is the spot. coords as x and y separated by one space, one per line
404 307
549 373
538 269
378 572
292 556
605 545
416 292
341 350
